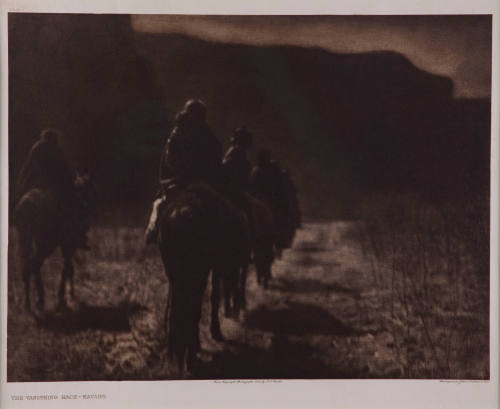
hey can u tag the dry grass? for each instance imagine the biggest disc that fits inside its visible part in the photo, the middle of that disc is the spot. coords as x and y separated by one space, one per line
330 312
433 287
112 328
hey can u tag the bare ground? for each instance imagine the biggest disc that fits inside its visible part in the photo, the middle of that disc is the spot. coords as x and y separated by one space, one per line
330 312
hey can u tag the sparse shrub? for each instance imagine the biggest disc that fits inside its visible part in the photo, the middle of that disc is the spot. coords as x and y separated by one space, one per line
428 265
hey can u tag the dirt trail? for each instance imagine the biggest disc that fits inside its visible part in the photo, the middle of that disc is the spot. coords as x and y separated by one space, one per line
319 318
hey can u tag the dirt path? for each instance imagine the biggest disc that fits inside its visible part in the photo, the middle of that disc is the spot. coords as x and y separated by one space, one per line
318 319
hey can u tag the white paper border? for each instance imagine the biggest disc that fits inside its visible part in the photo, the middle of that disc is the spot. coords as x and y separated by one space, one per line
288 394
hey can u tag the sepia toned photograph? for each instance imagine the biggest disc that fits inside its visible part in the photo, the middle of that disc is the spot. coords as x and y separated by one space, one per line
197 197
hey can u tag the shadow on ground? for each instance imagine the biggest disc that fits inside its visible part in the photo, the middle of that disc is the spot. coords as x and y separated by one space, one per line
307 285
310 248
298 319
288 355
307 260
106 318
283 360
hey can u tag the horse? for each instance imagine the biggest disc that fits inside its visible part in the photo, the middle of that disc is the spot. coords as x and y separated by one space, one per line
43 226
199 231
229 274
232 279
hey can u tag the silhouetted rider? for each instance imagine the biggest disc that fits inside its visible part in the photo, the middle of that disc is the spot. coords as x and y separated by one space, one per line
192 155
267 185
236 170
236 166
265 179
46 168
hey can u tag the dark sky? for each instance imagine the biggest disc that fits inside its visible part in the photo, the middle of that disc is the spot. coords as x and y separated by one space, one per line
455 46
345 126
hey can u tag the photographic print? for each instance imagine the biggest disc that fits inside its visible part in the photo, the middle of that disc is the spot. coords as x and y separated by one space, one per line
199 197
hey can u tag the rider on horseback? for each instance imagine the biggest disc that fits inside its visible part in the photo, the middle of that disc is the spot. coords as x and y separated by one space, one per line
46 168
265 179
267 185
236 167
192 154
236 170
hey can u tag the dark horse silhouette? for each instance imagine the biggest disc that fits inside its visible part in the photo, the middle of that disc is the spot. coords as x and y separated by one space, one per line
199 231
262 245
231 276
42 227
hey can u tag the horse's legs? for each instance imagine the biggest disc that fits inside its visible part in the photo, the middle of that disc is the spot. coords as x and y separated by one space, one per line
263 271
32 264
27 280
228 287
168 308
71 274
215 299
259 262
194 345
231 285
62 288
233 292
37 265
242 300
25 249
259 269
266 274
67 274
